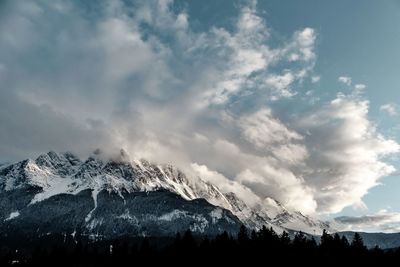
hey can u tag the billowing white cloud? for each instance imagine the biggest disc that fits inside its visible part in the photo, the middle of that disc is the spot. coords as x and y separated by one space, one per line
266 176
225 184
250 58
268 134
211 102
346 153
389 108
263 129
345 80
302 47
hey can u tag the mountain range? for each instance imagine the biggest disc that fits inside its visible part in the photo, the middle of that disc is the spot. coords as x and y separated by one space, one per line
106 198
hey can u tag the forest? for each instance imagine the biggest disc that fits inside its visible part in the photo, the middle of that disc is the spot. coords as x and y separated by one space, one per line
263 247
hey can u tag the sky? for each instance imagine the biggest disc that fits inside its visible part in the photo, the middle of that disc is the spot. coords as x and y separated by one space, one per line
294 100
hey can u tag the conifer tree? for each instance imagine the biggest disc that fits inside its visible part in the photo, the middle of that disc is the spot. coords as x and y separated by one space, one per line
357 243
326 240
284 239
345 242
242 236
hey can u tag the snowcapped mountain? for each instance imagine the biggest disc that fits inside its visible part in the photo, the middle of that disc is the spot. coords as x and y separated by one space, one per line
59 193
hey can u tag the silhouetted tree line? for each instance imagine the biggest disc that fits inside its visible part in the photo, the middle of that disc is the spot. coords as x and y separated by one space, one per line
263 247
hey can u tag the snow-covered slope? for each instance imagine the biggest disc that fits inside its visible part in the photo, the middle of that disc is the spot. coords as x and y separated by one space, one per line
54 174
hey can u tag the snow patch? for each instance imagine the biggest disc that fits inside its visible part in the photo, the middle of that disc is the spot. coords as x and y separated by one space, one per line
54 186
173 215
13 215
139 164
216 214
95 192
94 223
130 218
201 224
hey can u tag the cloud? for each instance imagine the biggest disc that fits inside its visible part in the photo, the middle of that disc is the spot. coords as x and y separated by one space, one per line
267 133
315 79
265 175
389 108
30 129
345 80
346 153
224 103
360 86
250 59
225 184
262 129
303 46
383 221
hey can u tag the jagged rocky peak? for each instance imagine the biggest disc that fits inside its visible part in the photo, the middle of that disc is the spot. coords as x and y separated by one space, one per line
50 159
235 202
73 159
63 163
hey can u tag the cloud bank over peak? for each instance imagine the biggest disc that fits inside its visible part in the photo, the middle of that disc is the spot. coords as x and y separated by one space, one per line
135 75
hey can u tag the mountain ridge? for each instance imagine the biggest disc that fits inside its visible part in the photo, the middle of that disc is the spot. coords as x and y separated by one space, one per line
58 174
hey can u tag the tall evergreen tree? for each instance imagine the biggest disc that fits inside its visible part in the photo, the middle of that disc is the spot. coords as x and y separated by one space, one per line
285 239
299 240
357 243
326 240
243 235
345 242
